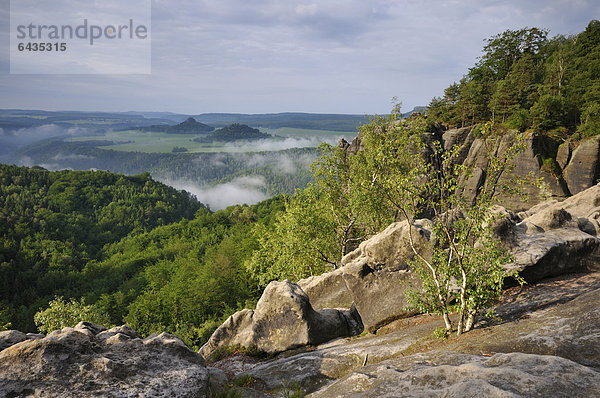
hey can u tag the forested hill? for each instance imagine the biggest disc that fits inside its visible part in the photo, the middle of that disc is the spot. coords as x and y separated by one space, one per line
189 126
53 223
234 132
526 80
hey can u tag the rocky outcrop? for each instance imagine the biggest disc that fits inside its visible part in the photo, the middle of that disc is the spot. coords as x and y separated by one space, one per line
377 272
563 171
90 361
564 168
546 345
552 238
11 337
327 290
283 319
530 160
555 237
583 170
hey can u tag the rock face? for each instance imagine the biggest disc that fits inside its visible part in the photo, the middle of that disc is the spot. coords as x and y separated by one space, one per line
583 169
89 361
530 160
327 290
558 237
377 273
565 168
283 319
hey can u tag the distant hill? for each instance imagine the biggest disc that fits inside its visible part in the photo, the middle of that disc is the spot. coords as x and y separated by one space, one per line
314 121
14 119
189 126
234 132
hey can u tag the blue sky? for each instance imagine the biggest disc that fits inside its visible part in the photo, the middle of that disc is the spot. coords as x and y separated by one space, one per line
265 56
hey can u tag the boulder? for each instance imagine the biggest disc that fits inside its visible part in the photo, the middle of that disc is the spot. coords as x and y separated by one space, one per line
558 237
327 290
377 272
78 362
283 319
554 252
583 169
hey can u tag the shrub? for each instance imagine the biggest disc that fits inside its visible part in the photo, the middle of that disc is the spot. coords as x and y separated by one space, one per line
61 313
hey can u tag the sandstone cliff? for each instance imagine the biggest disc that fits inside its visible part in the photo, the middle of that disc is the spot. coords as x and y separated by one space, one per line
566 168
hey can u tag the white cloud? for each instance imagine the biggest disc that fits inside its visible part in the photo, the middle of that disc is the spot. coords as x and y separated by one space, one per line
269 55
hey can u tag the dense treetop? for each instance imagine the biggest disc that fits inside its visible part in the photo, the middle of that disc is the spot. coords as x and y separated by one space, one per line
526 80
53 223
234 132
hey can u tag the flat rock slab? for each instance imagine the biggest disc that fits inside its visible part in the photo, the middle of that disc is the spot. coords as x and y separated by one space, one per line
452 374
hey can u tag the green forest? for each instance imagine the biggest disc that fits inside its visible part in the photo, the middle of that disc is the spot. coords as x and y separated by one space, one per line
127 249
136 250
526 80
234 132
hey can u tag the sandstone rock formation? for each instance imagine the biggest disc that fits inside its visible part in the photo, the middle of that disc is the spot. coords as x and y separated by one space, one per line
564 169
283 319
545 345
450 374
584 168
327 290
90 361
552 238
377 273
558 237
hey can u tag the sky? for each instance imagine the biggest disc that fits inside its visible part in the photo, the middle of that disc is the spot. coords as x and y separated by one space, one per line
269 56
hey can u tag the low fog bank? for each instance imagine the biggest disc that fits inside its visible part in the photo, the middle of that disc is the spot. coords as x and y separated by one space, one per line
282 143
248 189
11 140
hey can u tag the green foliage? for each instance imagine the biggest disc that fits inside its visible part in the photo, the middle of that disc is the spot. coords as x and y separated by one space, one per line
298 244
590 117
441 333
101 238
464 272
53 223
184 278
5 317
353 197
61 313
526 80
234 132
